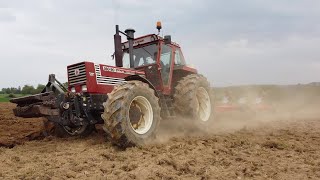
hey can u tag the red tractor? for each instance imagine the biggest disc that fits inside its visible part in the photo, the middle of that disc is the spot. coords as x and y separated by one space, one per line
150 82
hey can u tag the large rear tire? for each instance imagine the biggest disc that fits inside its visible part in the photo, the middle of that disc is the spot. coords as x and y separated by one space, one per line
193 98
132 114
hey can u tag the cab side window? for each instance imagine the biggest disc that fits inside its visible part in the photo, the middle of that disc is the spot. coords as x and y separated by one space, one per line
178 58
165 60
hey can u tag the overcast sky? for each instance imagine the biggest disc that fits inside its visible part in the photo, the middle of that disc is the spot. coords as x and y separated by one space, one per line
232 42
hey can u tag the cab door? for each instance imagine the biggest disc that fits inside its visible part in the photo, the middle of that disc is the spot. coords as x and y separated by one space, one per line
166 62
152 73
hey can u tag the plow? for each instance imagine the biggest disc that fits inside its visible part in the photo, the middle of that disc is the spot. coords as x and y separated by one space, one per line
254 105
149 83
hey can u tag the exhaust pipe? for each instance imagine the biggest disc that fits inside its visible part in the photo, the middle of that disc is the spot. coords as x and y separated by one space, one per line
118 53
117 48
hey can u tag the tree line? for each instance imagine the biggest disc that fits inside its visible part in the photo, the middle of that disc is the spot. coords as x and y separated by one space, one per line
26 89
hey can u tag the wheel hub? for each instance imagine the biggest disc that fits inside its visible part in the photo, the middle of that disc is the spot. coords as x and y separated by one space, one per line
135 115
140 115
75 130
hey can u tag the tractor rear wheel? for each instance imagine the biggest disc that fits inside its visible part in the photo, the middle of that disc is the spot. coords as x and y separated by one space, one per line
132 114
193 98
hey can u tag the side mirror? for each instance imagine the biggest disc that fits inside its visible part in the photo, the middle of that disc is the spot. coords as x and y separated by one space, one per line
167 39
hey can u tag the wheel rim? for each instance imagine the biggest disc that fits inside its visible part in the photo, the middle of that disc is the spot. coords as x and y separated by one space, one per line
140 115
75 130
203 104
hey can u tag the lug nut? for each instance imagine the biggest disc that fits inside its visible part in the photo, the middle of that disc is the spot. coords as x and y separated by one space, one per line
65 106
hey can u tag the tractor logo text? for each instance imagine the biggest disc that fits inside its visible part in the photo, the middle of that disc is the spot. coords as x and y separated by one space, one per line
112 69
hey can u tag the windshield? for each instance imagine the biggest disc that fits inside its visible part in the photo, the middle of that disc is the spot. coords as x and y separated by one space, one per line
142 56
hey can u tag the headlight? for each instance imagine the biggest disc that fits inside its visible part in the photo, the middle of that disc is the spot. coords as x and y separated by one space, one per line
84 88
73 89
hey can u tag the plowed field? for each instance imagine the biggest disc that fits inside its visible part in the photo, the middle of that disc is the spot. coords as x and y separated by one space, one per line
273 147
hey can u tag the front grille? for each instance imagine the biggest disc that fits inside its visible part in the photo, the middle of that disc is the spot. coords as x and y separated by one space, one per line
77 74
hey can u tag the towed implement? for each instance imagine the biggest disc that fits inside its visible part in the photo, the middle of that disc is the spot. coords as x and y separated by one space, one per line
254 105
149 82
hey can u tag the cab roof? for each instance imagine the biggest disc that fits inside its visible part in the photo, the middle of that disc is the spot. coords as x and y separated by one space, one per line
144 40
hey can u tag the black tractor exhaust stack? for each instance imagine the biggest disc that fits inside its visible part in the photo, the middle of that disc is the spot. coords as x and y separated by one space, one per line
117 48
118 53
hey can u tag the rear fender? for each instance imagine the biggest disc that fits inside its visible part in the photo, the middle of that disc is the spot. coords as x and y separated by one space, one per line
179 74
142 79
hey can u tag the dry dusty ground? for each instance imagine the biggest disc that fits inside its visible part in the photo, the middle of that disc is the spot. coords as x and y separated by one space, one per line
15 130
283 147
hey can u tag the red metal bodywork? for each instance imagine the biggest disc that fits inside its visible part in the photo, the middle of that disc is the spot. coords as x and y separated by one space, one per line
99 76
101 79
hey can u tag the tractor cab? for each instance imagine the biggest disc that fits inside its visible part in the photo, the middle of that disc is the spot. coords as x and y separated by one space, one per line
160 58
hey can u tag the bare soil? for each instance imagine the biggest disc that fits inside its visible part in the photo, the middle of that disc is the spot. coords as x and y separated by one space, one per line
14 130
282 147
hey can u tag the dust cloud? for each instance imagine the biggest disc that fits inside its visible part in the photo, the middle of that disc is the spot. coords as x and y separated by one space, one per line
284 104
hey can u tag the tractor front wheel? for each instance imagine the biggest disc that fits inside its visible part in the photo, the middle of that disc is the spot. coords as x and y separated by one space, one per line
132 114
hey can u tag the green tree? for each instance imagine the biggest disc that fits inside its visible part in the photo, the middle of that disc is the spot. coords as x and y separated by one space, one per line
39 88
6 90
27 89
14 90
10 90
19 90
